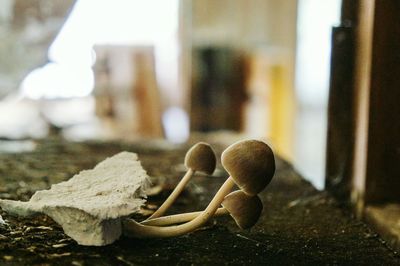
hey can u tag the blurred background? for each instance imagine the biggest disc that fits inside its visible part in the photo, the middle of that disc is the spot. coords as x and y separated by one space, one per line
168 69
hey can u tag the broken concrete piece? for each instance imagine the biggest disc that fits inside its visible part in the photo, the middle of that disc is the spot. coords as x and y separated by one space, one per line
90 205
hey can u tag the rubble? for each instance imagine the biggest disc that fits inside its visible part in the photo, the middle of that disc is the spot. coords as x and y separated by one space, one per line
90 205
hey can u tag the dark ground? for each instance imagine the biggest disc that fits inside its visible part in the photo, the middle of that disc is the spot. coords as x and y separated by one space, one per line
299 226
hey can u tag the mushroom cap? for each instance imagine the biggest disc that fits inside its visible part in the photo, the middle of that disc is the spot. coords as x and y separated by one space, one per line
251 164
201 157
244 209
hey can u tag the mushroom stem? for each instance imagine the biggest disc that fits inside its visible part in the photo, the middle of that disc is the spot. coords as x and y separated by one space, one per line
180 218
201 158
172 197
135 229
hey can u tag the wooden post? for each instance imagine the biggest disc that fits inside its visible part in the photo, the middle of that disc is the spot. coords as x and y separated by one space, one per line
383 160
373 172
340 138
146 95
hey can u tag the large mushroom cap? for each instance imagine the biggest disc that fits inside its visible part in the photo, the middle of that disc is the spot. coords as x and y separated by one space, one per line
244 209
201 157
251 164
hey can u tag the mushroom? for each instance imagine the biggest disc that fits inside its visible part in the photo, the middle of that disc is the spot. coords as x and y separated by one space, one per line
244 209
200 158
251 166
251 163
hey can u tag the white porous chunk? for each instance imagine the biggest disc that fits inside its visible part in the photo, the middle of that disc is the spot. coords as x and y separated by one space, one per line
90 205
2 222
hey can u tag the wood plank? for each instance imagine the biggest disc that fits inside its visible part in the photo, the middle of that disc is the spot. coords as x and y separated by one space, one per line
383 165
377 143
340 133
146 95
361 101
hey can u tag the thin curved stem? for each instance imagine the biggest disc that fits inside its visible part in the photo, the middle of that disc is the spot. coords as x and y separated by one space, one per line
134 229
180 218
172 197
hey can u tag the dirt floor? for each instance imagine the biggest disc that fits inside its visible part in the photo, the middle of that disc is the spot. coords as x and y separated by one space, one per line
299 225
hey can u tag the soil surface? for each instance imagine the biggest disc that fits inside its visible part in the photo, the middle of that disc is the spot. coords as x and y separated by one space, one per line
299 225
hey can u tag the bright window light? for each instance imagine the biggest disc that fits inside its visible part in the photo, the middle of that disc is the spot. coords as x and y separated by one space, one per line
314 27
106 22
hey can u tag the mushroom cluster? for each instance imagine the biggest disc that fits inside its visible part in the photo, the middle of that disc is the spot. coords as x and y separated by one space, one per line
251 166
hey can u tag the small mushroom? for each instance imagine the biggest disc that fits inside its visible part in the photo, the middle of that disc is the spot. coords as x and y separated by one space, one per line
244 209
200 158
251 172
249 158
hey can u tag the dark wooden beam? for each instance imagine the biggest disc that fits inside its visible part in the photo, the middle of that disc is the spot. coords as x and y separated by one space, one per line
340 135
373 98
383 160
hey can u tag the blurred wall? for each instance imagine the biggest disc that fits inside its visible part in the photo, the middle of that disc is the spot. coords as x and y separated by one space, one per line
264 31
27 28
244 23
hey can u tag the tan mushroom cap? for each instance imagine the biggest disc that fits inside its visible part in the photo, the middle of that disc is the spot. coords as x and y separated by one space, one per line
251 164
201 157
244 209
